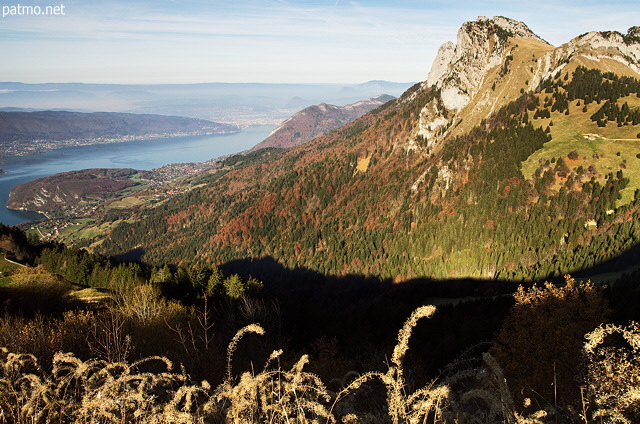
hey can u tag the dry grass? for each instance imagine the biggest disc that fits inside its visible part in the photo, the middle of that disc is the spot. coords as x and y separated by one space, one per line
154 390
613 380
420 406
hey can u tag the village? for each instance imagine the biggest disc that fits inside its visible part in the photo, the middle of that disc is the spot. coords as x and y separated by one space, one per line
153 187
21 148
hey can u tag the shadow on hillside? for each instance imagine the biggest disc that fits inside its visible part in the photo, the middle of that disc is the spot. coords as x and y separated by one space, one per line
134 255
27 300
626 262
365 313
352 291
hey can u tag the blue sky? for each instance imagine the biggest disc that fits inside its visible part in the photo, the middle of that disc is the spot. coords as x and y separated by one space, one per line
297 41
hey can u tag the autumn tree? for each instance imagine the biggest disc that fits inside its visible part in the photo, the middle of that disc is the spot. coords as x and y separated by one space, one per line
540 342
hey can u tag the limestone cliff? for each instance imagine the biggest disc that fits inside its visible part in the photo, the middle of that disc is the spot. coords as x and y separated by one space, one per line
460 70
495 60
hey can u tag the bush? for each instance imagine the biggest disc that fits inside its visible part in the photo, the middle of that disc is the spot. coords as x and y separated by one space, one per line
541 339
471 390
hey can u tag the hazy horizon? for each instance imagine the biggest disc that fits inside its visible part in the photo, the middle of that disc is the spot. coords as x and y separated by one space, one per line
267 41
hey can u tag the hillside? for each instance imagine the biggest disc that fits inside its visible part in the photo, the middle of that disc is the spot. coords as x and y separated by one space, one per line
317 120
390 264
469 174
63 193
24 132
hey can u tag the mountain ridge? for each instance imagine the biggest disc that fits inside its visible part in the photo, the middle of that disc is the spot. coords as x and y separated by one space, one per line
317 120
416 189
486 49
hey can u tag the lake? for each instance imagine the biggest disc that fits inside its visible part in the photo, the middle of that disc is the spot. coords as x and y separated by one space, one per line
145 155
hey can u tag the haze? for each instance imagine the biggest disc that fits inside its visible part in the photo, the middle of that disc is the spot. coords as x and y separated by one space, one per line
269 41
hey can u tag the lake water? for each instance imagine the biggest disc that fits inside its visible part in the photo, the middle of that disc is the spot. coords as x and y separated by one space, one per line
146 155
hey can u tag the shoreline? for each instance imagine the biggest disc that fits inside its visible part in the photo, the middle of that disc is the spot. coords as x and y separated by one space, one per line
158 155
44 146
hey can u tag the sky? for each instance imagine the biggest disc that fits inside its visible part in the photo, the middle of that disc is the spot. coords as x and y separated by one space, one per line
270 41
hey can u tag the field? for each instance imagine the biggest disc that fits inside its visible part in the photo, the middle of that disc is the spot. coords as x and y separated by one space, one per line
608 149
76 230
38 282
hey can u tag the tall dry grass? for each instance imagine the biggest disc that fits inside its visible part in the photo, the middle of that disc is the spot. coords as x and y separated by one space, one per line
613 374
426 403
155 390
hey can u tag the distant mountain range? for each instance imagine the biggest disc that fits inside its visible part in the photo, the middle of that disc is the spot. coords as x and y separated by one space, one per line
74 193
233 103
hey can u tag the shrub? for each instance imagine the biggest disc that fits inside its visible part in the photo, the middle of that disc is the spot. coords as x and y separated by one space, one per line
541 340
471 390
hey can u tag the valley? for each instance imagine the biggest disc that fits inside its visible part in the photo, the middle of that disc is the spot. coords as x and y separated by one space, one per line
466 252
184 153
432 168
73 217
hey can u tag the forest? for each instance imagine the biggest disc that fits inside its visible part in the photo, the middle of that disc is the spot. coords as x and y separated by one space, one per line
450 213
352 280
167 344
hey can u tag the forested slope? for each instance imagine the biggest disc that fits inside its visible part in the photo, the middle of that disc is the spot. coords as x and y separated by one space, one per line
358 201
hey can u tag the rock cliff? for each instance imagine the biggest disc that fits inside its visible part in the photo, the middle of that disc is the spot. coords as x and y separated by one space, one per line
495 60
459 69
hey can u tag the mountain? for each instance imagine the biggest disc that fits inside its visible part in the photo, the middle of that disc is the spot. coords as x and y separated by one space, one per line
318 120
508 170
22 132
242 104
514 160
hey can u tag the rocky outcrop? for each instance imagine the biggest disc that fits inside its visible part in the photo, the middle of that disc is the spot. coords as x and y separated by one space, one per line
458 70
597 47
318 120
477 71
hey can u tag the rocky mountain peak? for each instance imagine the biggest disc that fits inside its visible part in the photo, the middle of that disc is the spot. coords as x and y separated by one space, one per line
459 69
495 60
598 45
